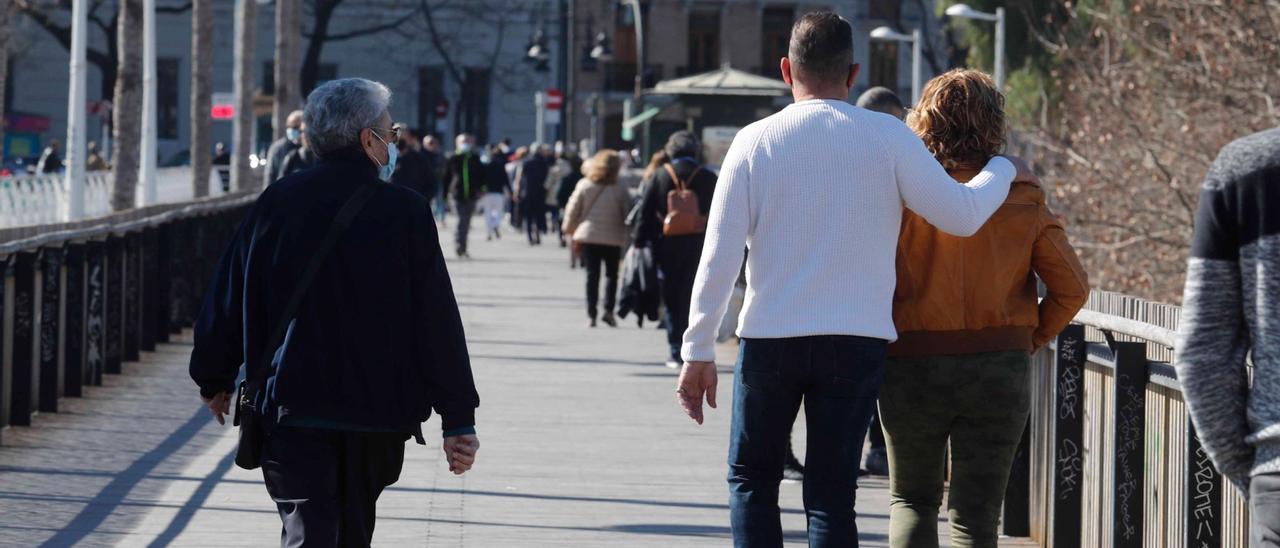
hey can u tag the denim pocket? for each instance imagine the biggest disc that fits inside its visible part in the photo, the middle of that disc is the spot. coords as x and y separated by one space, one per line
760 363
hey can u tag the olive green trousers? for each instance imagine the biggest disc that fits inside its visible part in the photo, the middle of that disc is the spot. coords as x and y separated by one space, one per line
977 402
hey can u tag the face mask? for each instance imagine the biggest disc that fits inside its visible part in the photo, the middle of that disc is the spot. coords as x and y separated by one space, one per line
484 158
385 171
293 134
464 148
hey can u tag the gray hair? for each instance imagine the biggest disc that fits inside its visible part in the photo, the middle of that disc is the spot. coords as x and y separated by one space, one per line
338 110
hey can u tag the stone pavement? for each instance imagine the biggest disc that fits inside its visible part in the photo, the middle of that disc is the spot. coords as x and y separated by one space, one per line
582 443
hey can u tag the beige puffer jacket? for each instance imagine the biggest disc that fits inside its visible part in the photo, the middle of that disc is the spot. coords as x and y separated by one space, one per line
597 213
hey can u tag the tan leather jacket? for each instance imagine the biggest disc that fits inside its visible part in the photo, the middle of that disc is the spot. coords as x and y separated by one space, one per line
978 294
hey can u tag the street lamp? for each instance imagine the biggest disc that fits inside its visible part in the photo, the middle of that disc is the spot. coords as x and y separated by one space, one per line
538 53
601 52
963 10
886 34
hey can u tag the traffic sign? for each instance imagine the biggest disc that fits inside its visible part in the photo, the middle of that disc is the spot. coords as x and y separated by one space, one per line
442 108
224 106
555 99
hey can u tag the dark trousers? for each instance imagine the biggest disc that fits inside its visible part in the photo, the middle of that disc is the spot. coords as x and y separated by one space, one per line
1264 511
326 483
535 219
836 377
466 208
977 405
593 256
679 265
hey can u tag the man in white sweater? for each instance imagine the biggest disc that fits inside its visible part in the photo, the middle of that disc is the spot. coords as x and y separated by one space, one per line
816 192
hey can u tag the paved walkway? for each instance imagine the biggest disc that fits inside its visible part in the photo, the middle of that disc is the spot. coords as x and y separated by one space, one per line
582 444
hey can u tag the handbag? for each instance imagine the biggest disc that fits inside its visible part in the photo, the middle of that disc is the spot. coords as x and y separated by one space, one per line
684 216
247 415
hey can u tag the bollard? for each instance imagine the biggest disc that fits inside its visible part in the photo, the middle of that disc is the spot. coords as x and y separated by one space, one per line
132 262
23 378
73 307
95 338
1068 437
1129 431
6 342
114 309
49 344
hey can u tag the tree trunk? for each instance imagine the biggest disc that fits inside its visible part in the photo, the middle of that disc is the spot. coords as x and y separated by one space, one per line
242 134
127 129
288 37
4 65
310 71
201 93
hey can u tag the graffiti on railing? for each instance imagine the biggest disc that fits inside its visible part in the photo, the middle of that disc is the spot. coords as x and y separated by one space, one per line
1070 468
1130 409
1069 386
94 324
1204 495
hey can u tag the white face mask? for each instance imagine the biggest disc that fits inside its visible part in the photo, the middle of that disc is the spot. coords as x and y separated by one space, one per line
293 134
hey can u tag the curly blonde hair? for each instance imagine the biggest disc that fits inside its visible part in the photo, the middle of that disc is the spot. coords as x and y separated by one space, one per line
603 167
960 117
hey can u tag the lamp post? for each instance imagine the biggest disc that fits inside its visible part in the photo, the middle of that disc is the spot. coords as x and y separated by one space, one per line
963 10
600 53
73 208
887 34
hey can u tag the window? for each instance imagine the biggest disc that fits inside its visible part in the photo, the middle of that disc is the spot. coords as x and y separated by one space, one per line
167 97
884 9
775 37
475 104
268 77
704 39
430 93
884 65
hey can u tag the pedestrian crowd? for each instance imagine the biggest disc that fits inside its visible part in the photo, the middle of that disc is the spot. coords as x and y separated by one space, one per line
893 271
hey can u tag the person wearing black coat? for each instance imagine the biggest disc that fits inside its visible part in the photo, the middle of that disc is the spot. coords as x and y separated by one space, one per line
376 343
677 256
413 167
465 174
531 181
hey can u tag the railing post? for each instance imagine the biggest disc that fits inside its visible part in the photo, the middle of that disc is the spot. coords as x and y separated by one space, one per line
162 301
1017 494
95 338
1129 432
148 296
132 297
1068 437
1204 495
50 309
73 321
114 309
6 340
24 380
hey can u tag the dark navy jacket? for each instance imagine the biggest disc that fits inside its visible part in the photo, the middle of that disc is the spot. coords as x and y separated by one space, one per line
378 341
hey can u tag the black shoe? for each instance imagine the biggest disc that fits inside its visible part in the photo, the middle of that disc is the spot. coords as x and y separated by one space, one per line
609 321
591 322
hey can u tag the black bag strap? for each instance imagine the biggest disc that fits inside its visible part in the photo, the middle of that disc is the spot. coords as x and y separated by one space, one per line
340 224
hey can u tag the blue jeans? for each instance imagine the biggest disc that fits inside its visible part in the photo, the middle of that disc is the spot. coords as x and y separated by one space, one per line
837 378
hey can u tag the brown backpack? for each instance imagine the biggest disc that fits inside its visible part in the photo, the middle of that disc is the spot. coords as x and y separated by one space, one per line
684 216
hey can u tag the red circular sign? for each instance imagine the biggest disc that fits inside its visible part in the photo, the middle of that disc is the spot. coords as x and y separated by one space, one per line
554 99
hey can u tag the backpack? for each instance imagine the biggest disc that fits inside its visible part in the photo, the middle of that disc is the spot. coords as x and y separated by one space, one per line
684 216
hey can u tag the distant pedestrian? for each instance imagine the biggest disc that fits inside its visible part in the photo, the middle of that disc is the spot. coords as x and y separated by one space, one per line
565 169
95 162
280 149
497 189
681 180
465 175
1228 319
51 158
413 165
375 341
530 186
882 100
596 221
514 159
222 162
298 159
957 376
816 191
431 146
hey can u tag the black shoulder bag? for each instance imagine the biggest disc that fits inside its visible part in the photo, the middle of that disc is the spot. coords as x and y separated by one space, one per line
247 415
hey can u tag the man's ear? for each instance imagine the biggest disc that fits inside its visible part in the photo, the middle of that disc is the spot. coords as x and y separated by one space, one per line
853 76
785 67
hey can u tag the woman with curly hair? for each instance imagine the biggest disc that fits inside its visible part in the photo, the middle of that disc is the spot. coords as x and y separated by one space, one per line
967 316
595 219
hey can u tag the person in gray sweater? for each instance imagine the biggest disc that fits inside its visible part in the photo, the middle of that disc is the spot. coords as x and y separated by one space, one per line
1229 315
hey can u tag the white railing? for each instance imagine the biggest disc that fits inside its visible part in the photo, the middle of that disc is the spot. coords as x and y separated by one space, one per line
38 199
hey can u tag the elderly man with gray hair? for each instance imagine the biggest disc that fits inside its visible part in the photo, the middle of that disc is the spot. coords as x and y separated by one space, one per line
335 296
280 149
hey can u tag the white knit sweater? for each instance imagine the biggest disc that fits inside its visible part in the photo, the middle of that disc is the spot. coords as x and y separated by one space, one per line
816 192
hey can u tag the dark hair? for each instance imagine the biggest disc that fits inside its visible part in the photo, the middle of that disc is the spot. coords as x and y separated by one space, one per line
822 47
881 99
682 143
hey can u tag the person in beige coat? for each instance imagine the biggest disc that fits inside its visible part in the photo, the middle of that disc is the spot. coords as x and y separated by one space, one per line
596 219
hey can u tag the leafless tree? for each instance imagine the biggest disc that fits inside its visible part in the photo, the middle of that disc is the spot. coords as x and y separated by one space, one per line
201 93
127 105
1144 94
321 32
242 177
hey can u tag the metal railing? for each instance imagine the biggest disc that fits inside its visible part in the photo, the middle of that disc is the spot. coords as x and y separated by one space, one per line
30 200
1110 458
80 299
